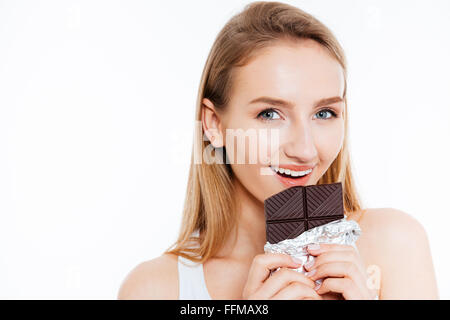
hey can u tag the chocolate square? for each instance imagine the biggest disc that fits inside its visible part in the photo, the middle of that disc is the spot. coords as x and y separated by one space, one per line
291 212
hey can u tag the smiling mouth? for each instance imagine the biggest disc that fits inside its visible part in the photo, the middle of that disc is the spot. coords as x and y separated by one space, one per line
287 173
291 178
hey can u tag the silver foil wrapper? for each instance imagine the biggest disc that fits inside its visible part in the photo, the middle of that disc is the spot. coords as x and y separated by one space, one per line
341 231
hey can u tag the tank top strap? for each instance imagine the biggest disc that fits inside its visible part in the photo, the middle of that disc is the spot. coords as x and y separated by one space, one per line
191 279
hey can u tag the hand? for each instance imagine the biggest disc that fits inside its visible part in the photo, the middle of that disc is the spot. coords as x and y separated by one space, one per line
342 271
284 284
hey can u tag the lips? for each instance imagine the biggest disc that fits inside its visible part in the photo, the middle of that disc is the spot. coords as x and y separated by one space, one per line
295 167
290 181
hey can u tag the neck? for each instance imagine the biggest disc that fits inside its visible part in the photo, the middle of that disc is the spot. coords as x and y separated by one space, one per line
250 236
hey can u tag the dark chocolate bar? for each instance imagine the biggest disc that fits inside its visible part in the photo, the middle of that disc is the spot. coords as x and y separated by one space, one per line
292 211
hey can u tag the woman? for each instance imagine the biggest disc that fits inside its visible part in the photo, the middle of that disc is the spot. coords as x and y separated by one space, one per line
276 67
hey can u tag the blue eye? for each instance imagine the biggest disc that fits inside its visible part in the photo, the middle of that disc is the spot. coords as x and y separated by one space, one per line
268 114
324 111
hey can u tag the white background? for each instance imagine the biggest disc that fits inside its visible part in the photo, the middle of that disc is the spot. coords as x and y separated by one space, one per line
96 118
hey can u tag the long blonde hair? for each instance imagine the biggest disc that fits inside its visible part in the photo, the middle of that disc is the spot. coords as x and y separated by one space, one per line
209 206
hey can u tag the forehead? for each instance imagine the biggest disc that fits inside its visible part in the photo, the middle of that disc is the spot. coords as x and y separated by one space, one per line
302 72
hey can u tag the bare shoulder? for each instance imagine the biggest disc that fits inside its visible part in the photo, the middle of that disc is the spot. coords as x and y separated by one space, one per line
386 231
398 244
152 280
389 224
392 222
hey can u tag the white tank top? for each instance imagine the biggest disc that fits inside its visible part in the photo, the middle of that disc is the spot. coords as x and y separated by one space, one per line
191 280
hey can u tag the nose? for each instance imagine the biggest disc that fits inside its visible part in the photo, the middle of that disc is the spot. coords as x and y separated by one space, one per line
299 145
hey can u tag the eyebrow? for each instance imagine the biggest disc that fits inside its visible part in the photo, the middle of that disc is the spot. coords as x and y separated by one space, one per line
289 104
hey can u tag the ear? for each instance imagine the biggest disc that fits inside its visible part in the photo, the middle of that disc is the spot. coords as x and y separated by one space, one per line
211 123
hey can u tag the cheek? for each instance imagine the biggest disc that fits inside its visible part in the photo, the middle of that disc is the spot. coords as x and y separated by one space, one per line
251 146
253 173
329 142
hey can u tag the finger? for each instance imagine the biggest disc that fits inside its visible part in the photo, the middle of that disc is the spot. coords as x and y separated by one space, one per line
336 270
335 256
281 279
316 248
261 266
345 286
297 291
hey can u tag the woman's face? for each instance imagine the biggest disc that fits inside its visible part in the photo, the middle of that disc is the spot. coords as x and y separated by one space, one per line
304 131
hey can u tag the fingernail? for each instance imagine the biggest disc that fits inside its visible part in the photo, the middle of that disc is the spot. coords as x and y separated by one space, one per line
318 286
309 264
311 273
314 246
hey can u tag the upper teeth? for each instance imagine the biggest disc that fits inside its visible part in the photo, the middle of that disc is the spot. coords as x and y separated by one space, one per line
292 172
